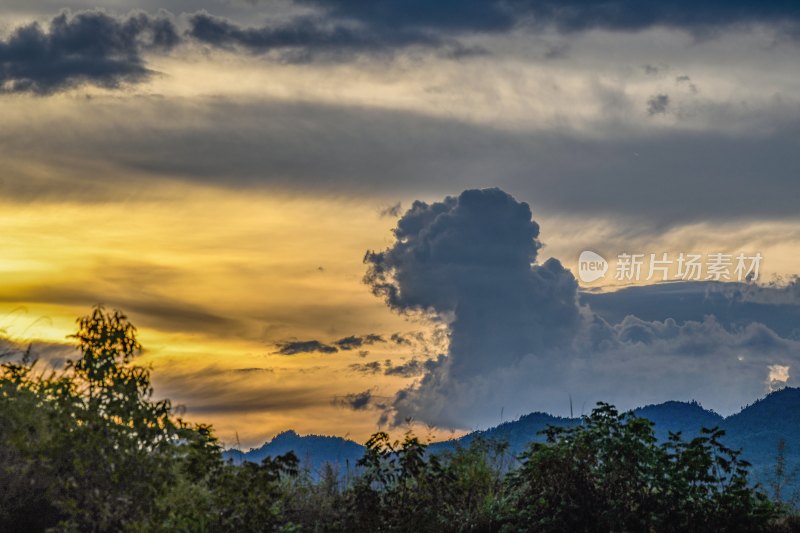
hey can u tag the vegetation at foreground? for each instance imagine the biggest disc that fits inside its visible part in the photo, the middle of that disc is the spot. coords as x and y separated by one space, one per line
87 448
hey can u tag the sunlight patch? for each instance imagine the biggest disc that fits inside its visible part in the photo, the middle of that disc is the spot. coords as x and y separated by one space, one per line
778 376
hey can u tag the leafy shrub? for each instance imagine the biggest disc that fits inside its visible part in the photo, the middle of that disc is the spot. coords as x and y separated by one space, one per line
609 474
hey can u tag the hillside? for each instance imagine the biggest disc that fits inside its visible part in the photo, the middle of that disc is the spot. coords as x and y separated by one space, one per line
756 429
688 418
517 433
759 427
312 450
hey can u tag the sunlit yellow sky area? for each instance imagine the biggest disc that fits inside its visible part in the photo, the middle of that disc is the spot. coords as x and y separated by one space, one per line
215 279
224 197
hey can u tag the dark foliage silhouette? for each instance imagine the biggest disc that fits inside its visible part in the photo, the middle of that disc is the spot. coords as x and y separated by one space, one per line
88 448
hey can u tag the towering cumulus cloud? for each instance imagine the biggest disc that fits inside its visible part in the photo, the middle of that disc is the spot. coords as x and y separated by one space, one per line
470 260
520 339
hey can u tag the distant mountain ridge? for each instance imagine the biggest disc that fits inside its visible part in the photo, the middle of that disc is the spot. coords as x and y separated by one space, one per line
312 450
756 429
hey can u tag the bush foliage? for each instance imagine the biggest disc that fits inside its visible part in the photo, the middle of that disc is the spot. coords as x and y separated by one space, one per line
87 448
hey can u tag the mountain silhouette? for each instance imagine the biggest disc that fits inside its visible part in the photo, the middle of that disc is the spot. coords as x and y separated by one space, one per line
312 450
757 430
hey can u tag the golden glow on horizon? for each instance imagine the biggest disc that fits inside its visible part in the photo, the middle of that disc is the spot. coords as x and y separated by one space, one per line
213 279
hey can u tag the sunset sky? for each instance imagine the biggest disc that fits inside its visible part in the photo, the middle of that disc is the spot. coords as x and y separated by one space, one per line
220 169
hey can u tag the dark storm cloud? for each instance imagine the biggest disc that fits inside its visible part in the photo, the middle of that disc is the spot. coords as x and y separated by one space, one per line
471 256
89 47
357 341
631 15
341 28
518 335
298 347
373 367
567 16
97 48
307 37
456 15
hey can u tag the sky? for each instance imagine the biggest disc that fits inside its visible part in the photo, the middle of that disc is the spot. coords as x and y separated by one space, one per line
335 216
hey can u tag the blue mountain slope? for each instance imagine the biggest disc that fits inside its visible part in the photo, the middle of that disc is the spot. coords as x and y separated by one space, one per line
518 434
757 429
687 418
312 450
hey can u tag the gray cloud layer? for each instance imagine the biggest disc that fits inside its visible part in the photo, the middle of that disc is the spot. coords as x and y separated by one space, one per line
734 305
629 172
